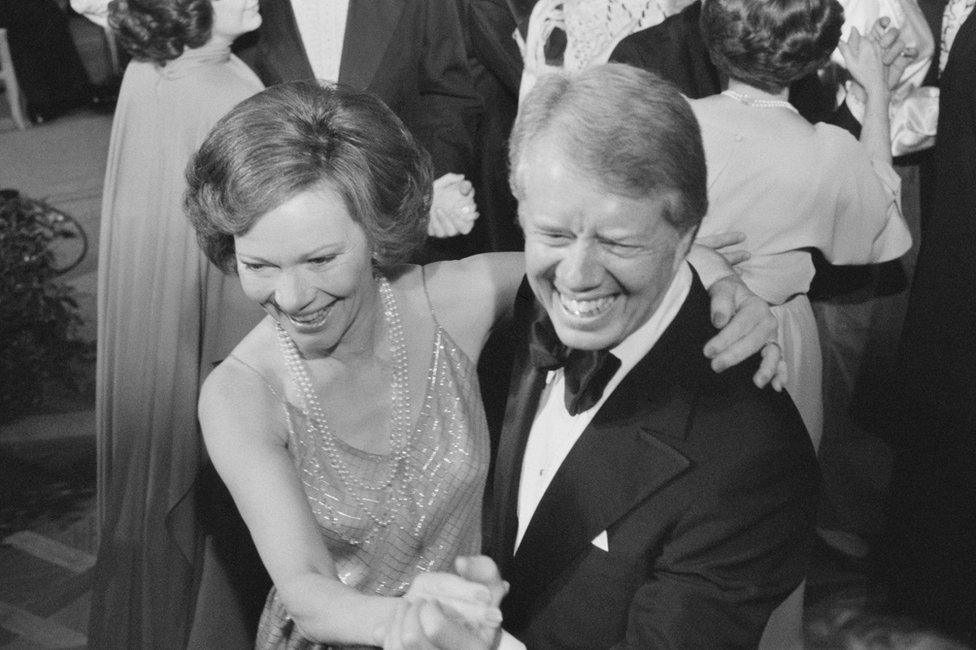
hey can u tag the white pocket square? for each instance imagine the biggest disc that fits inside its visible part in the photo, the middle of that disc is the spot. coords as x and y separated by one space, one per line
601 542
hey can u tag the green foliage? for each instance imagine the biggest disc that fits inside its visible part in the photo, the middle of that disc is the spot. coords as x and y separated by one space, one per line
39 316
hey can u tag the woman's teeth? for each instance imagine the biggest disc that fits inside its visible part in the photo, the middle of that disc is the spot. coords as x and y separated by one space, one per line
315 319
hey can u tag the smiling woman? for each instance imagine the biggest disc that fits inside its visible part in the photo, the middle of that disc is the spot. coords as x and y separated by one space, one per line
319 294
348 424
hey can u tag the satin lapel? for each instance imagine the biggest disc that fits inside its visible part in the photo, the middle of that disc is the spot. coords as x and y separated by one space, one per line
624 456
523 399
370 25
612 468
282 41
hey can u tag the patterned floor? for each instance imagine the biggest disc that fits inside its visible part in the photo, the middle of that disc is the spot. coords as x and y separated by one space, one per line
47 488
47 461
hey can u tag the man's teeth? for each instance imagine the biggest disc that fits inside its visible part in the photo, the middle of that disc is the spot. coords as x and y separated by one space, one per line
586 307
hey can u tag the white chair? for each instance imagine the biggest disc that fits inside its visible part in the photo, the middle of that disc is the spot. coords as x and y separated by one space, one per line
8 80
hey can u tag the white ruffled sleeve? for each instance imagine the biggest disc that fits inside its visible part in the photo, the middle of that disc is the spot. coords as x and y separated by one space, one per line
869 226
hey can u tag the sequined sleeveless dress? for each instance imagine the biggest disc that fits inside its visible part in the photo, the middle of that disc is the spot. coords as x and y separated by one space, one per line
437 513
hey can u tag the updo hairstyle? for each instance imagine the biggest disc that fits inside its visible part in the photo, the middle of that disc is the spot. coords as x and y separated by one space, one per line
298 136
160 30
770 43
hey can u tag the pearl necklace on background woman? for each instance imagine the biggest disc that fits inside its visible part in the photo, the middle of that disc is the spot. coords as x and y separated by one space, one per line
758 102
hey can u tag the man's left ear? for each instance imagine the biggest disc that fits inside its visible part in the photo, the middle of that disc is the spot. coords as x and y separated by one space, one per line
683 247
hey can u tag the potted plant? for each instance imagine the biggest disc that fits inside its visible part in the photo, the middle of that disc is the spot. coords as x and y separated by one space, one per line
39 319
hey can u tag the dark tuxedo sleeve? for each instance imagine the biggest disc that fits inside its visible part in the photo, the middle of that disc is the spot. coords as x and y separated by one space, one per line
675 50
488 26
450 106
742 544
278 55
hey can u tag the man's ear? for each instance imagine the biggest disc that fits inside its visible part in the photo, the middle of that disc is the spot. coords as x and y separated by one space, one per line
683 247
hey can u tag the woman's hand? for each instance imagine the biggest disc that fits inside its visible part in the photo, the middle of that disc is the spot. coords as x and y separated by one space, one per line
452 210
428 625
895 54
864 59
442 610
476 603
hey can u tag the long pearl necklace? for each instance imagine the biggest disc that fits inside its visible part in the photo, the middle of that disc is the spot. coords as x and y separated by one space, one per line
757 102
395 479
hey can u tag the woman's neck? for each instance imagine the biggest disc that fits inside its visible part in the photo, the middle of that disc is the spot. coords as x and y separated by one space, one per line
743 88
217 44
365 337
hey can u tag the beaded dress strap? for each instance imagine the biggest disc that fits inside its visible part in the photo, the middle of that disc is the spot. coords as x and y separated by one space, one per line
430 303
264 380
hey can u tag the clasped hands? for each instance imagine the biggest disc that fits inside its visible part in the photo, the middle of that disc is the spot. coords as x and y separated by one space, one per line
448 611
876 60
452 209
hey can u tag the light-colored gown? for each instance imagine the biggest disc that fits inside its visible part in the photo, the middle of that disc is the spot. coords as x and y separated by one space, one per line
790 190
165 314
435 514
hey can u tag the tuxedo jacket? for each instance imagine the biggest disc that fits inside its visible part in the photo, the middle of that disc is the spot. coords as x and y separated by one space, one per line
410 53
941 311
705 486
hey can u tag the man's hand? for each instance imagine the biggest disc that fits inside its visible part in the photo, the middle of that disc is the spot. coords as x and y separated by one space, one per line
865 63
747 326
452 210
427 625
723 242
482 570
895 55
469 600
442 610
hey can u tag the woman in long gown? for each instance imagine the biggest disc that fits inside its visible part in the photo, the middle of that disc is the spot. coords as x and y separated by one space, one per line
164 314
791 186
347 424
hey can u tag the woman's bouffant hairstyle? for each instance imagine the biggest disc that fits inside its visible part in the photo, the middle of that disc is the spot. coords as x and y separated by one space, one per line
300 136
769 44
624 127
160 30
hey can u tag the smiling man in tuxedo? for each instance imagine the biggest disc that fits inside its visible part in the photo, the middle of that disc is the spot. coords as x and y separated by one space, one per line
640 500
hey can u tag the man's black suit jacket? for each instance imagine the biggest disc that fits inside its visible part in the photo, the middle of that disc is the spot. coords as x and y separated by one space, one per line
410 53
705 485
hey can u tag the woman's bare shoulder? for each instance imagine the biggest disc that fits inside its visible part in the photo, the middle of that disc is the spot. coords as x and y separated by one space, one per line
485 279
471 295
246 389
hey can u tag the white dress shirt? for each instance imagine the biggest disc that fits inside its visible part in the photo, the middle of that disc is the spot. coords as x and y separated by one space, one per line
554 431
322 25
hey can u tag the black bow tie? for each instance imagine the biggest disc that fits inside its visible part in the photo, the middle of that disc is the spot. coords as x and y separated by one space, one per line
586 372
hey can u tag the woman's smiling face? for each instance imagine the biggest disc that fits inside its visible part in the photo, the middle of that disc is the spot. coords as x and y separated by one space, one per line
308 263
